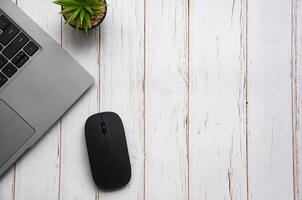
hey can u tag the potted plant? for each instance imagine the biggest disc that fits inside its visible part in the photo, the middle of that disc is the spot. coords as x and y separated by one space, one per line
83 14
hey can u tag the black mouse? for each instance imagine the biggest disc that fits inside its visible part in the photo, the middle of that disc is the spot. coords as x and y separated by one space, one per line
107 150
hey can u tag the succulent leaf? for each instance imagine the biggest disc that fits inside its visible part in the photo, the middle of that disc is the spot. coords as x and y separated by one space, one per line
82 14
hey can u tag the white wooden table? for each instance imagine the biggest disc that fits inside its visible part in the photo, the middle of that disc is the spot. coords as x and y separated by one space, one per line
210 92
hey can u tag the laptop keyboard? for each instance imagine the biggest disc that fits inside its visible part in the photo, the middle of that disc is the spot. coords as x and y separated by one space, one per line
16 48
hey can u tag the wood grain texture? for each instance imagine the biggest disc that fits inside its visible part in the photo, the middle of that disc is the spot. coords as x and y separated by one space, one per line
297 95
209 92
269 95
75 180
121 84
217 100
166 92
37 174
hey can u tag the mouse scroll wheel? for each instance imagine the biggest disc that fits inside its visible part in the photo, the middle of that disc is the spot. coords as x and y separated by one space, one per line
103 127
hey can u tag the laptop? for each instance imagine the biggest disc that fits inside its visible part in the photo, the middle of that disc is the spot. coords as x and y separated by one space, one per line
39 81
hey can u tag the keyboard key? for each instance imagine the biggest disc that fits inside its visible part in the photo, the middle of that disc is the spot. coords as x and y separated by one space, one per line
15 46
3 79
1 47
3 22
31 48
18 57
9 33
9 70
3 61
22 61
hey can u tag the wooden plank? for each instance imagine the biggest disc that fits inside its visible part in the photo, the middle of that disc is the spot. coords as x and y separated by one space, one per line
299 86
297 95
7 185
217 100
269 93
37 173
76 181
166 92
39 168
121 84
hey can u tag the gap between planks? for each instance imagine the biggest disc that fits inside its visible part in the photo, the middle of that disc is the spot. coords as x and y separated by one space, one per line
188 8
144 96
295 106
244 30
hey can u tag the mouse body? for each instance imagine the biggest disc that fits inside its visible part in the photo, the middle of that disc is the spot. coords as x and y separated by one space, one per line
107 150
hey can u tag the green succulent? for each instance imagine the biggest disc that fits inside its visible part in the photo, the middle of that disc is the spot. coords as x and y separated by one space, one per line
79 12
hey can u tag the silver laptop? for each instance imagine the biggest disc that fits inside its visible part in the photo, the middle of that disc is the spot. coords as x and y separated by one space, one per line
39 81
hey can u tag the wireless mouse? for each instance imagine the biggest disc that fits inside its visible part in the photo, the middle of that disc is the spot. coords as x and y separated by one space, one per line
107 150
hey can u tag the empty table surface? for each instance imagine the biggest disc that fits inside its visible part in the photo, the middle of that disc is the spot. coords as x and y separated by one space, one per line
210 92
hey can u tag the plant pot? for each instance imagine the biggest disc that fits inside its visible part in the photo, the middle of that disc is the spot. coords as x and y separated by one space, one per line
95 20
